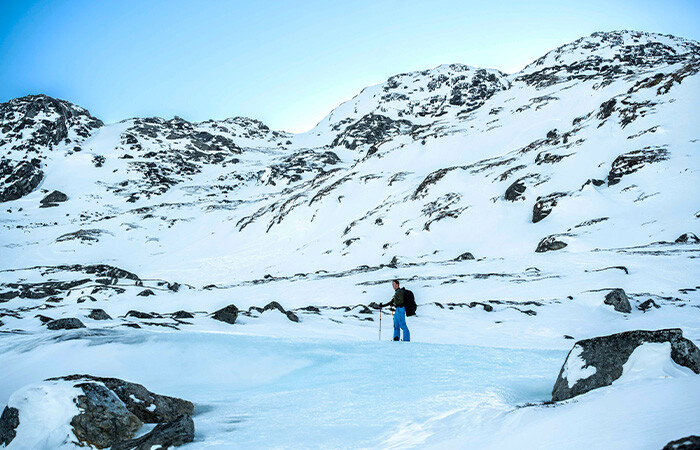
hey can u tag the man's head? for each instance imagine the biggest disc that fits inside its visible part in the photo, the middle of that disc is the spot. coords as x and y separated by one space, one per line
395 284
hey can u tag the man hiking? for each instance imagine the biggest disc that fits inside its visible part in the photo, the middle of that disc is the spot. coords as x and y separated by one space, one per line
398 302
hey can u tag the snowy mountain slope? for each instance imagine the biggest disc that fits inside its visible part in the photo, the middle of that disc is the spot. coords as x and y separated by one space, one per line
510 204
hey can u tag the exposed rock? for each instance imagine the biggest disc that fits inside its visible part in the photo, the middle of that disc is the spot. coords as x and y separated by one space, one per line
549 243
686 443
487 308
618 299
146 293
274 305
182 315
44 319
464 257
631 162
141 315
163 436
515 191
69 323
647 305
603 358
104 419
9 420
99 314
687 238
53 198
543 206
92 235
371 129
18 179
228 314
84 298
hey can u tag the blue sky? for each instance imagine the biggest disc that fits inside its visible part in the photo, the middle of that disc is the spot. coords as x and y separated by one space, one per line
285 63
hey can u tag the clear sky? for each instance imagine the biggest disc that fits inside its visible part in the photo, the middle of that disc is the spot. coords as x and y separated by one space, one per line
286 63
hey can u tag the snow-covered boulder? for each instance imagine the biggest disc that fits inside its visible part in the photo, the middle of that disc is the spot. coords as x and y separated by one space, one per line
686 443
80 410
597 362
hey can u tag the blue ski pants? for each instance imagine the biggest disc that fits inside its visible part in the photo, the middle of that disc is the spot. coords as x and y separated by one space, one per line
400 324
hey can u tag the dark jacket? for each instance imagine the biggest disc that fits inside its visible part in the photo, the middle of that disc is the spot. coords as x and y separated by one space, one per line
397 300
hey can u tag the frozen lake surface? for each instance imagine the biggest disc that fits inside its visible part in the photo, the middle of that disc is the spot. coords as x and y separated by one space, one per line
257 391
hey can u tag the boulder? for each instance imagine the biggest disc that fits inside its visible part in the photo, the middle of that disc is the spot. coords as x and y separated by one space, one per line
515 191
163 436
9 420
274 305
145 293
466 256
99 314
544 205
104 419
687 238
182 315
144 404
618 299
228 314
686 443
549 243
69 323
647 305
53 199
599 361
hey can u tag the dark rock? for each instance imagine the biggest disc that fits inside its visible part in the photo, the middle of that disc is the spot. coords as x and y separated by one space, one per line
54 197
618 299
145 293
99 314
44 319
608 354
647 305
687 238
606 109
141 315
182 315
487 308
594 182
9 420
464 257
631 162
549 243
566 336
18 179
69 323
371 129
543 206
311 309
686 443
515 191
174 287
147 406
104 419
163 436
274 305
229 314
84 298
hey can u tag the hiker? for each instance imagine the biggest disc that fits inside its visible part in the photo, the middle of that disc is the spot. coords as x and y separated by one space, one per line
400 313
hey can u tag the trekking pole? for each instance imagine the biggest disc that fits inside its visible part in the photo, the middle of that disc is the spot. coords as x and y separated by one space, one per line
380 323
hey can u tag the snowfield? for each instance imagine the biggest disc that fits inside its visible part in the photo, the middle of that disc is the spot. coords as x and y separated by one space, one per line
510 204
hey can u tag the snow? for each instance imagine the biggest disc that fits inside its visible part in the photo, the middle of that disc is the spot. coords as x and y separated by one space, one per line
575 368
45 411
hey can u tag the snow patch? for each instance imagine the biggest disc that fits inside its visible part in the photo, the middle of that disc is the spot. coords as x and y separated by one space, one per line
651 360
576 368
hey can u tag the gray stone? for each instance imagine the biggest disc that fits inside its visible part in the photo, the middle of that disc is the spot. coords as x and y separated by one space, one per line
163 436
544 205
145 293
549 243
515 191
54 197
618 299
104 419
464 257
228 314
687 238
647 305
9 420
608 354
69 323
99 314
686 443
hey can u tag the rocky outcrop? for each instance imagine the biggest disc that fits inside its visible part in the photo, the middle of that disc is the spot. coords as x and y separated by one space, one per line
543 206
53 199
370 130
686 443
18 179
274 305
228 314
687 238
631 162
9 421
618 300
69 323
597 362
99 314
163 436
515 191
550 243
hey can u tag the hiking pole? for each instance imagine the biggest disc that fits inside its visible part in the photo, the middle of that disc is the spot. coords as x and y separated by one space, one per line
380 322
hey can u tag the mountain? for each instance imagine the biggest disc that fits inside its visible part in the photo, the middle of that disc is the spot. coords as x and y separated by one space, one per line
510 204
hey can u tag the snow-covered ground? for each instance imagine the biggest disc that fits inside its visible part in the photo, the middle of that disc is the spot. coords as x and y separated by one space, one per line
448 179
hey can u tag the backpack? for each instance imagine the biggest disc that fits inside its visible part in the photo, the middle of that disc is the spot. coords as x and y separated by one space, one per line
409 302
